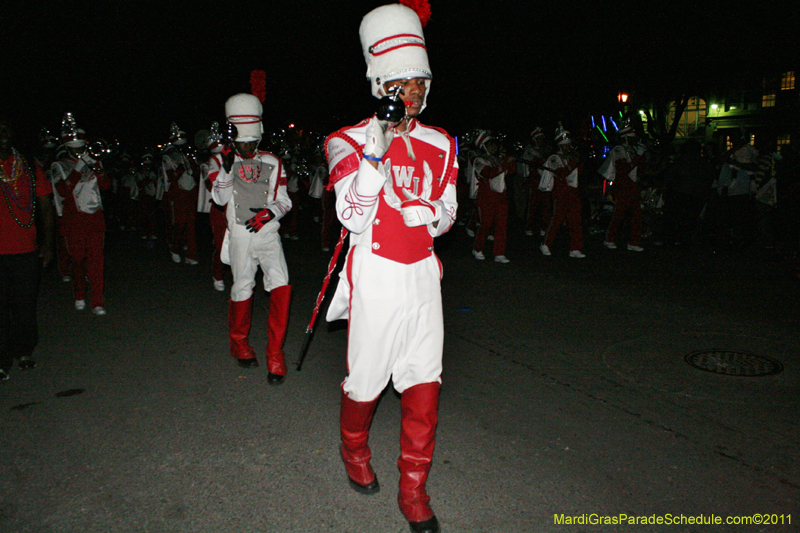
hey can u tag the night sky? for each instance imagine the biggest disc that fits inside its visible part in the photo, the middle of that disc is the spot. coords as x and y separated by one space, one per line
127 71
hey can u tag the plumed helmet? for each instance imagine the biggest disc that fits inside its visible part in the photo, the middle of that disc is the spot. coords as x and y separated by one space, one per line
244 111
177 136
562 136
394 46
71 135
483 139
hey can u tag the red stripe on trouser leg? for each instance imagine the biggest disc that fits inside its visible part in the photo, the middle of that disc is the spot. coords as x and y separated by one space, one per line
420 414
239 317
276 328
354 422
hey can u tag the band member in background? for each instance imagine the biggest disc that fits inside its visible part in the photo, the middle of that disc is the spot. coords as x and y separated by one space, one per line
622 168
251 183
179 173
540 203
395 192
562 180
491 169
216 212
81 178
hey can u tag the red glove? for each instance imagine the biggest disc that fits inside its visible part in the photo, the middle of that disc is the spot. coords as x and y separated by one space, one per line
262 216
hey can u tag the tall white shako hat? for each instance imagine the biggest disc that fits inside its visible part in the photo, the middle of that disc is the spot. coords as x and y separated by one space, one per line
394 45
71 135
562 136
244 111
177 137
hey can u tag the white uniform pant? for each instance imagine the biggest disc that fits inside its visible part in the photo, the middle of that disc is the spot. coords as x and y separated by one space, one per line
396 328
247 252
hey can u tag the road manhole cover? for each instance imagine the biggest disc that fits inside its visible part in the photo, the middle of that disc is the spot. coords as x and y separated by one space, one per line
734 363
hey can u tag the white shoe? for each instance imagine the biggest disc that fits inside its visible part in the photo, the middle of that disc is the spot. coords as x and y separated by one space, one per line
501 259
80 305
99 311
470 232
528 232
490 237
295 237
176 258
634 248
219 284
577 254
544 249
610 245
478 255
542 233
191 261
66 279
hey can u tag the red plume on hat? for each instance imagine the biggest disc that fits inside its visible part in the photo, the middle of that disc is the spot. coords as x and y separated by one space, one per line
421 7
258 84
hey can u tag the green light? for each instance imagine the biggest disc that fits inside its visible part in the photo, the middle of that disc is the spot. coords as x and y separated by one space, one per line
601 133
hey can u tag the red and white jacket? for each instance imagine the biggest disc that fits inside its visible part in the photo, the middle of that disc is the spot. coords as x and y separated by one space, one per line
421 160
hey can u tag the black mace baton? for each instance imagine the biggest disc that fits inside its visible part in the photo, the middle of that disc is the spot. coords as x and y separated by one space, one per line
320 297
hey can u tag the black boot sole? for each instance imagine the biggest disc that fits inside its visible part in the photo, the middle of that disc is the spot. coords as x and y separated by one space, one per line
430 525
367 490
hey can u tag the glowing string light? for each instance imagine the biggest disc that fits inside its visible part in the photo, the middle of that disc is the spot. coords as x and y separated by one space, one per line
616 128
601 133
605 128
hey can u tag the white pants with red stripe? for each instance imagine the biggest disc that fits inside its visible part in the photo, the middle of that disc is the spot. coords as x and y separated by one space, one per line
396 328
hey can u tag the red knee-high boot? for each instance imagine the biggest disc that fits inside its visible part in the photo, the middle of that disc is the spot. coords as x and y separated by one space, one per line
420 414
239 317
276 329
354 421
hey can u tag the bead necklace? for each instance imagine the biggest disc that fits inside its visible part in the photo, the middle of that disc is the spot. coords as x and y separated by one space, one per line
18 168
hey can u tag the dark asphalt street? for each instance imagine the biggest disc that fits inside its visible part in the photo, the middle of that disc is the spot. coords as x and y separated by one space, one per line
566 391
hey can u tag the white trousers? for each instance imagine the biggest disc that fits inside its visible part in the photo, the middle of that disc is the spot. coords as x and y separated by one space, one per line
247 252
396 328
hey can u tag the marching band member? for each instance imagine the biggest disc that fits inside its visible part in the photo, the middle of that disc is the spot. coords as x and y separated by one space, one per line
540 203
81 179
251 183
178 172
490 169
395 192
622 167
562 180
216 212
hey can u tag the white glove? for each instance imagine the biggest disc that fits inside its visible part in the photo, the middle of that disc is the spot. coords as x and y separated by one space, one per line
379 138
419 212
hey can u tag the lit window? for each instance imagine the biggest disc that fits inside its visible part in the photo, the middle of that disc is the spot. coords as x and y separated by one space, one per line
692 118
768 100
787 80
784 140
753 139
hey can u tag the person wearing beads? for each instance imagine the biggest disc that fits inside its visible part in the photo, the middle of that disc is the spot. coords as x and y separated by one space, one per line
251 184
395 191
81 180
26 192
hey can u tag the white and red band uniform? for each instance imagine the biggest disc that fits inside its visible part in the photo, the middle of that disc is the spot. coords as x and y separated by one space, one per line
391 279
258 183
562 181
